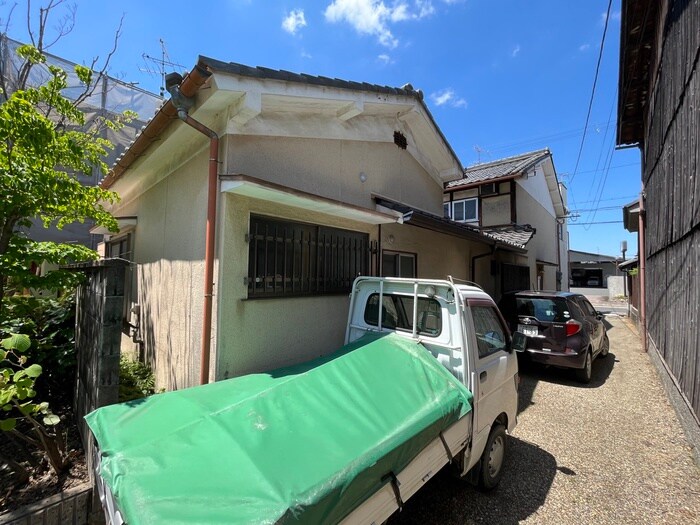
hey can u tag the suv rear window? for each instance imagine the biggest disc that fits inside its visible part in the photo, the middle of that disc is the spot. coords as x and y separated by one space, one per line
397 313
546 309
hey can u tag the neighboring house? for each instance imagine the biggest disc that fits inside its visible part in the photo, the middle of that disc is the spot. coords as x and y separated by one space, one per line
631 270
110 98
659 97
591 270
520 198
313 182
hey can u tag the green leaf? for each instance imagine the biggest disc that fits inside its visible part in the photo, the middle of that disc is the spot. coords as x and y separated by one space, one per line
8 424
33 371
51 419
18 342
3 355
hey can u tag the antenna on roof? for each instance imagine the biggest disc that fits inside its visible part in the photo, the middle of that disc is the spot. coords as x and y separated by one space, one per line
479 150
156 66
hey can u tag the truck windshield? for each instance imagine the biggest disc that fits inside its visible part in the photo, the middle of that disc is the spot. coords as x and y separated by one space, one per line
397 314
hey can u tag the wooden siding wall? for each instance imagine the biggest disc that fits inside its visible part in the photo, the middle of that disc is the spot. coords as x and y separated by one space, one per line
671 170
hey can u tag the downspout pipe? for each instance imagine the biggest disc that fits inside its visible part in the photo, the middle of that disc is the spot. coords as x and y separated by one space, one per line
183 104
642 270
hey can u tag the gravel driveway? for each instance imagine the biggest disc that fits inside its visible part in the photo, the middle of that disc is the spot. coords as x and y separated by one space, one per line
605 453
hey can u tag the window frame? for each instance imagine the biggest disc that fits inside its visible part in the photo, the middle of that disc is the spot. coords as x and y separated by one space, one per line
301 259
398 255
508 342
464 202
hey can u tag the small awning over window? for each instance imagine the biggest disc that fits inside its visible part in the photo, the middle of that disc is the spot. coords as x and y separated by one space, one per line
125 224
269 191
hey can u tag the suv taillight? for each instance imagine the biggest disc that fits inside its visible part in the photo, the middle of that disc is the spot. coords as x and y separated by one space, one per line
572 327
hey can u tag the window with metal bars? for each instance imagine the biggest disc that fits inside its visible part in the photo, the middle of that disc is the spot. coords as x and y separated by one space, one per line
291 258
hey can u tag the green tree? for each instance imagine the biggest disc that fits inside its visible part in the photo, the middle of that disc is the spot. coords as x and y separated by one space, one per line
44 144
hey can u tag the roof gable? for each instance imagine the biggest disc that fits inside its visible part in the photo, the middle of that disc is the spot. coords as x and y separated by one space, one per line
508 167
245 100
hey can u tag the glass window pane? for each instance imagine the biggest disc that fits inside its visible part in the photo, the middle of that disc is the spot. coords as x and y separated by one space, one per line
458 209
490 335
446 210
470 210
407 266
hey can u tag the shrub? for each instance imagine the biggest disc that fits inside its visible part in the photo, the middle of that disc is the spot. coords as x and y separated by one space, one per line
50 324
136 380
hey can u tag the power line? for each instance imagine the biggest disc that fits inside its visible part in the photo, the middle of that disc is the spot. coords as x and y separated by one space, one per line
572 133
611 167
604 208
611 199
589 223
595 81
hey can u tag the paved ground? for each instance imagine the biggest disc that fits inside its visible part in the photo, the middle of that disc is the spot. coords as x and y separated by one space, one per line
611 452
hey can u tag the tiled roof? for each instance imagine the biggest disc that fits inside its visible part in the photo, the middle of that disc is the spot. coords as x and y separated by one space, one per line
515 234
445 225
499 168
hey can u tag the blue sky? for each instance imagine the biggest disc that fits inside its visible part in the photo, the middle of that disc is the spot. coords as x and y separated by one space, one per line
500 77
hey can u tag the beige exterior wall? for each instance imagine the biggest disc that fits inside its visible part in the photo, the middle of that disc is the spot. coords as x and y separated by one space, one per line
543 245
260 334
331 168
437 255
168 284
256 335
495 210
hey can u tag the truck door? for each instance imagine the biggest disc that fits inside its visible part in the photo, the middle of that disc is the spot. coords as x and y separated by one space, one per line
492 379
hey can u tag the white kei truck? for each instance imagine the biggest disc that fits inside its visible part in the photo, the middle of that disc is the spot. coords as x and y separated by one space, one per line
427 377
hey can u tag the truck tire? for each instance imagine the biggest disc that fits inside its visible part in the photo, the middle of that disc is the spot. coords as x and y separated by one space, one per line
491 463
584 374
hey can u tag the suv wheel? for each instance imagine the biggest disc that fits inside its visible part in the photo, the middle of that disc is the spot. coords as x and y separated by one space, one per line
585 373
605 347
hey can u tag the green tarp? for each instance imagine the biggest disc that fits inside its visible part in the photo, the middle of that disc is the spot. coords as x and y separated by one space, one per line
305 444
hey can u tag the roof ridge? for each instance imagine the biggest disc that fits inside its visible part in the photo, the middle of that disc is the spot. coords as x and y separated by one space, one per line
508 159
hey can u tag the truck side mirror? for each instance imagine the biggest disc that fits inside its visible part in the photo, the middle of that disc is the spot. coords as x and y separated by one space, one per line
519 341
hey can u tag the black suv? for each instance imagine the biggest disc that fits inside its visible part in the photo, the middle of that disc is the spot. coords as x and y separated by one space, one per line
556 328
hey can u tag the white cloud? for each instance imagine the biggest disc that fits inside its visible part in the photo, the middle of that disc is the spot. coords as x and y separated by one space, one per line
584 47
305 54
615 16
516 51
374 17
448 97
385 59
294 21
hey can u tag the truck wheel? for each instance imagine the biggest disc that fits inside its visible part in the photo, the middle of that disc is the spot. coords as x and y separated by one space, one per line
584 374
491 464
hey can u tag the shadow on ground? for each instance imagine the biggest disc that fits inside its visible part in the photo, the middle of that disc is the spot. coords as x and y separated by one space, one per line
526 481
532 373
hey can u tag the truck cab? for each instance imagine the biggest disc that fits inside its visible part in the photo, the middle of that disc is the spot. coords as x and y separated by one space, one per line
460 325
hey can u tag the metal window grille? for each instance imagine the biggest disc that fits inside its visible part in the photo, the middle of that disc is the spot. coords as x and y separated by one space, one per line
289 258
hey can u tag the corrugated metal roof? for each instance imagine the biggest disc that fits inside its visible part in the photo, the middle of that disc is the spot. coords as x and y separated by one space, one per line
498 169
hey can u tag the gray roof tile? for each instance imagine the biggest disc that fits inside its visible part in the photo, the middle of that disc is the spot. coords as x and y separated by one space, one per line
516 234
497 169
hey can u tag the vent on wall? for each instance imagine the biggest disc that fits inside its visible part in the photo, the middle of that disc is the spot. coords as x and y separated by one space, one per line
400 140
